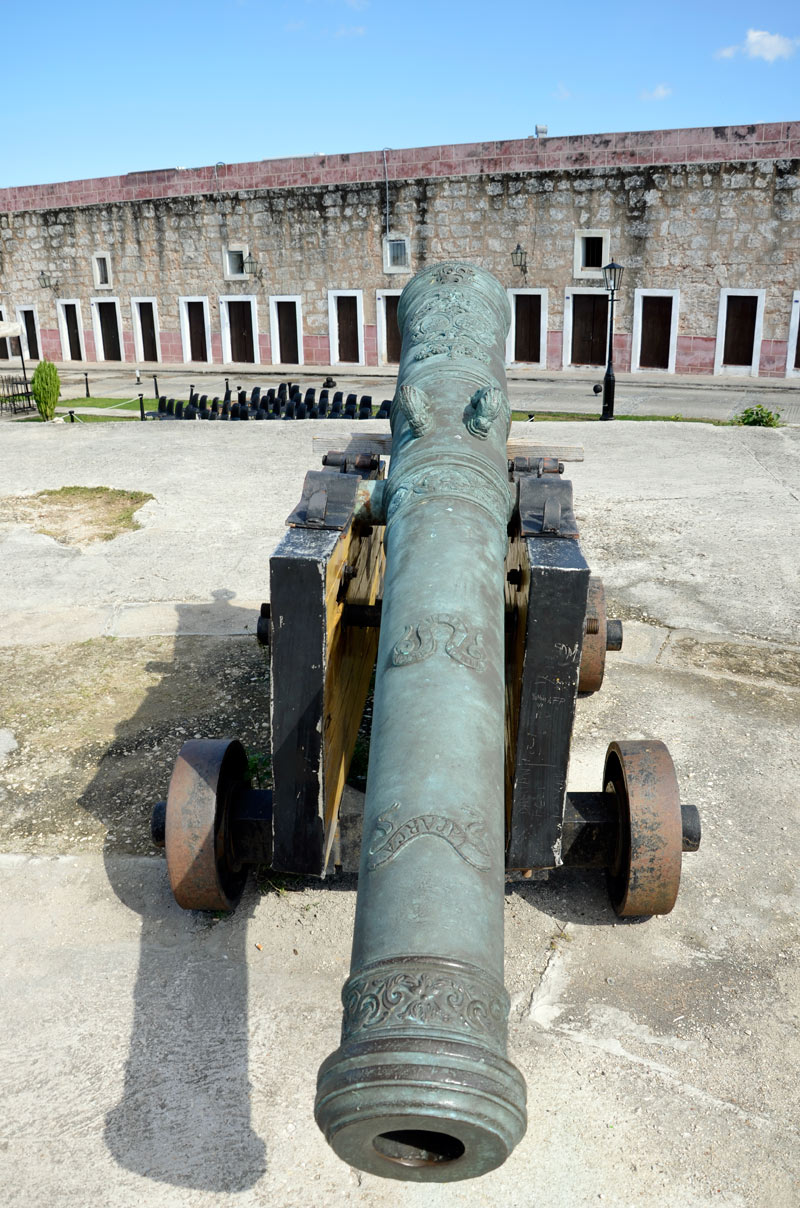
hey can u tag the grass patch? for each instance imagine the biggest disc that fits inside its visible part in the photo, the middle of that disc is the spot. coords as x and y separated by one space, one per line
76 515
120 404
85 419
591 417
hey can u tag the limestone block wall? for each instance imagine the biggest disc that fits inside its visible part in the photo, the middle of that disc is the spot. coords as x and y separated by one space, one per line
698 226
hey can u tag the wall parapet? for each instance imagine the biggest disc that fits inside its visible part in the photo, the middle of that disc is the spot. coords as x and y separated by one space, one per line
703 144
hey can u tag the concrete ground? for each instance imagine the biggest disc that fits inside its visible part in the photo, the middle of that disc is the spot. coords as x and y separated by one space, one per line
155 1056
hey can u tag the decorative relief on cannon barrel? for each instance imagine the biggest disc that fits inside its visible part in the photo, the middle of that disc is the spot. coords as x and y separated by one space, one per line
451 322
468 841
484 408
455 348
452 272
416 407
461 642
479 485
428 991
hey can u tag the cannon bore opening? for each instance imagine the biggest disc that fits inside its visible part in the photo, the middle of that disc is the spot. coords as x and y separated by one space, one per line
418 1147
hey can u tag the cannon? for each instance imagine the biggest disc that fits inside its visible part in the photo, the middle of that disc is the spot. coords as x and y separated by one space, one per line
460 579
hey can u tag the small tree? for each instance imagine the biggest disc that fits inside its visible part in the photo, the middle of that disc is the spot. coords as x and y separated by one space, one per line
46 387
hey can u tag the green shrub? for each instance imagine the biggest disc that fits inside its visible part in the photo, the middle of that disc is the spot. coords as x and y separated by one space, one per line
46 387
758 417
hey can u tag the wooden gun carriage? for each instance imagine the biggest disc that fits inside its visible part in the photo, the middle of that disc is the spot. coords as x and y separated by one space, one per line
462 576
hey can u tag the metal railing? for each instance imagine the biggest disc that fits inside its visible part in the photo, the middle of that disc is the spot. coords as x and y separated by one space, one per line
15 395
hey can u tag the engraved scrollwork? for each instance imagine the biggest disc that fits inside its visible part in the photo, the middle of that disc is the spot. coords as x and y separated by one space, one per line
484 407
468 839
458 348
461 483
451 272
461 643
451 323
428 996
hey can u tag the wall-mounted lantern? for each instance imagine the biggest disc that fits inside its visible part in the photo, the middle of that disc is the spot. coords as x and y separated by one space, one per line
519 258
48 282
252 267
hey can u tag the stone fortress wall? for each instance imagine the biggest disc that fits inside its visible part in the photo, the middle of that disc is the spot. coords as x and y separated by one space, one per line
690 213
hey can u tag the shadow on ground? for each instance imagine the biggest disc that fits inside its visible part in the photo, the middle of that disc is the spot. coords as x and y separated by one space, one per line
184 1114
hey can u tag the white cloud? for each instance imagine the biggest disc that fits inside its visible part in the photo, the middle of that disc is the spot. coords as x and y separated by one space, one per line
350 31
561 93
759 44
659 93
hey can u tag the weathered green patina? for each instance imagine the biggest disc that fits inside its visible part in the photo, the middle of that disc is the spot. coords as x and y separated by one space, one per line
420 1087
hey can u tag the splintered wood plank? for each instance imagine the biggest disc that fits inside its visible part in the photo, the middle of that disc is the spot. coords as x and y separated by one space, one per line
349 662
344 440
320 676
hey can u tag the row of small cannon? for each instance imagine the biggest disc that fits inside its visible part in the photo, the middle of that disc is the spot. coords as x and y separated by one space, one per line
285 402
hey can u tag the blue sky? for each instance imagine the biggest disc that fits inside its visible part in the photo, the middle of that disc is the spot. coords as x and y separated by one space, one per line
99 87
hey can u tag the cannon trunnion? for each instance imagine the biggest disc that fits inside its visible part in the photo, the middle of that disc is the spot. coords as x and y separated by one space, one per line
460 579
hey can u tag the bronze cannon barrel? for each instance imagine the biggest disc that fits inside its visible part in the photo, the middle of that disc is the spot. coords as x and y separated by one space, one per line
421 1087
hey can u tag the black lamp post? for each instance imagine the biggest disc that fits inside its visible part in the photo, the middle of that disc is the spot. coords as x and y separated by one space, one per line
519 258
612 279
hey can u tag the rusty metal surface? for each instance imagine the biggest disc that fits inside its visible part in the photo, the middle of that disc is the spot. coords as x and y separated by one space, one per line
593 653
646 870
196 834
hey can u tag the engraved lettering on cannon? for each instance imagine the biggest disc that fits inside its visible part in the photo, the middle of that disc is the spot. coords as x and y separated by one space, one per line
462 643
468 841
427 997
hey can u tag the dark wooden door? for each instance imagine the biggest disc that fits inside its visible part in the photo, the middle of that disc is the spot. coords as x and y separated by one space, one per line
73 334
3 344
347 321
740 330
589 328
240 318
147 321
393 338
109 331
797 350
656 328
30 332
198 346
288 351
527 327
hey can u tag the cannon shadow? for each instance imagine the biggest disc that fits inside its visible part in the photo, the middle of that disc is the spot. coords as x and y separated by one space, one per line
183 1117
573 895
